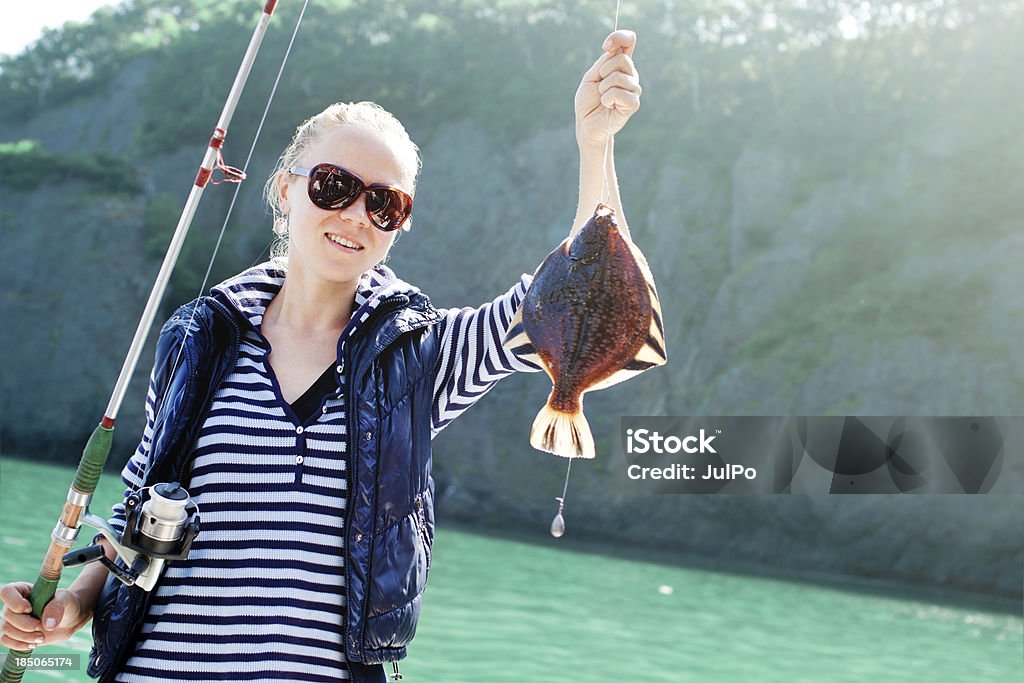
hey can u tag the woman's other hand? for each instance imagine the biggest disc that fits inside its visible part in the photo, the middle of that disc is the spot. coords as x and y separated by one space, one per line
609 92
22 631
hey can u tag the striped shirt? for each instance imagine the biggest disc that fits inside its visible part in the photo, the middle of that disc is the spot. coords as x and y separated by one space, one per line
261 596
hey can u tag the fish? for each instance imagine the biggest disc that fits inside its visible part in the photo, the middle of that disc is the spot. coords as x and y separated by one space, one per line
591 318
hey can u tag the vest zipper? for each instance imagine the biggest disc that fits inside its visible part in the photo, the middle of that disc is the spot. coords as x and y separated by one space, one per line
353 474
422 526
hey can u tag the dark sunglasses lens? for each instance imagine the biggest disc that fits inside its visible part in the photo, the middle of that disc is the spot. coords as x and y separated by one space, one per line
388 209
333 188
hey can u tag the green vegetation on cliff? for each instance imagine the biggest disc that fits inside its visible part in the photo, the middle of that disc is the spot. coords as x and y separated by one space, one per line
25 165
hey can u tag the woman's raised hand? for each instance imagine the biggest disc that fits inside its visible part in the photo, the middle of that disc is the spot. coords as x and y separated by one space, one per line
22 631
609 92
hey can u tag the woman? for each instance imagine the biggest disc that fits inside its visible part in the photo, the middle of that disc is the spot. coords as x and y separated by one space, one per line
313 485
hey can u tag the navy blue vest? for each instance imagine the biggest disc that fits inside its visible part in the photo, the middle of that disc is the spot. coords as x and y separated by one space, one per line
390 527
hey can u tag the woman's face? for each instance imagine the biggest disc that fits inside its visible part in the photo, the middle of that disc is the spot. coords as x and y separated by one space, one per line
313 233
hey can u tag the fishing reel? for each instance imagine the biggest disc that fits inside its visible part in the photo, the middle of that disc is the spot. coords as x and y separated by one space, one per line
161 521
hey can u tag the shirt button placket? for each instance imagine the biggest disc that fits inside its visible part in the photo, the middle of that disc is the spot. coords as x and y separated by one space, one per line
300 453
341 379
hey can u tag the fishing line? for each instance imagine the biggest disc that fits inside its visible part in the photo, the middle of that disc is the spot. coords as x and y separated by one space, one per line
558 523
231 207
605 189
252 149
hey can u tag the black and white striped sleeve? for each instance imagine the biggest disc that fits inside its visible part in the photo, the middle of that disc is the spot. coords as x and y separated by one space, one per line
134 471
472 357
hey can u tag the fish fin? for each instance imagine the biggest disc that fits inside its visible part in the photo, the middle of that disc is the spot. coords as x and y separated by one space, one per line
657 325
656 334
653 350
518 343
527 353
650 355
618 376
641 261
561 433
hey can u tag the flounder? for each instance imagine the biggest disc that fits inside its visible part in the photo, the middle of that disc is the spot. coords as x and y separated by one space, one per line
591 318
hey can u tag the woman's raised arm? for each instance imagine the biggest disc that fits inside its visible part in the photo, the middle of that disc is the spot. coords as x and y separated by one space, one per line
607 97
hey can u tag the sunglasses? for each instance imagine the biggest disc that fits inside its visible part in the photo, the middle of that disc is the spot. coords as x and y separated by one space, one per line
332 188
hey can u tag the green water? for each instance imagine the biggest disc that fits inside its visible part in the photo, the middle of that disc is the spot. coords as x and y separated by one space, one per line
503 611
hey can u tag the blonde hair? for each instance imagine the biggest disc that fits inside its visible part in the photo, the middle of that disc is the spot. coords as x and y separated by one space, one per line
369 115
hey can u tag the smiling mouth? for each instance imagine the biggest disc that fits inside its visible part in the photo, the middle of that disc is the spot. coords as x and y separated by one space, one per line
344 243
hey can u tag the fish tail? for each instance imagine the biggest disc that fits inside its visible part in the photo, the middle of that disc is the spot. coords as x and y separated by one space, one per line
562 433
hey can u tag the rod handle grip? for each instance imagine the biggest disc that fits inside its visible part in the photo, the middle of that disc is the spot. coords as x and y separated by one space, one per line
42 593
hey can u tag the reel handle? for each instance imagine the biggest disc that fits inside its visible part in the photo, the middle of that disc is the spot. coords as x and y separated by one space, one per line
96 553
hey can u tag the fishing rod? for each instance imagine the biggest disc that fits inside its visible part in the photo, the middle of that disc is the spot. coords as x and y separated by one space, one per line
161 521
